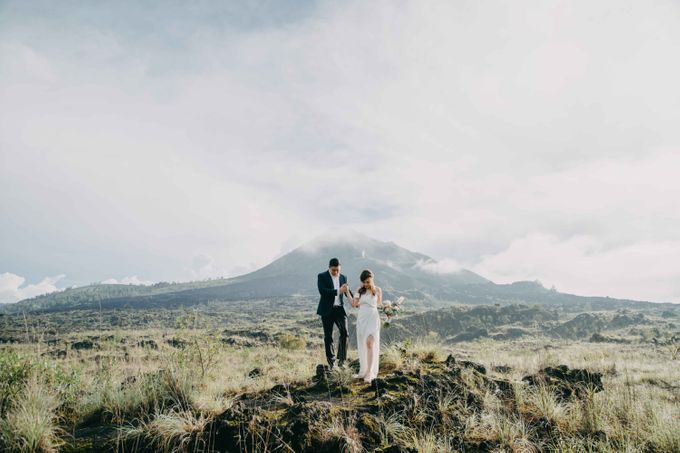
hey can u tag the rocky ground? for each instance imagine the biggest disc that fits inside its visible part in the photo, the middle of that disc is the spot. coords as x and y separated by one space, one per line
489 378
336 413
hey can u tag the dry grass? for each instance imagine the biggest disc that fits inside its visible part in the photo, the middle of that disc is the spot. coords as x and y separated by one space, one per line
171 431
638 410
31 422
168 395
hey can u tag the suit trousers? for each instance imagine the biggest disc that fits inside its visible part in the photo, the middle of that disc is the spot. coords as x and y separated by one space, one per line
338 318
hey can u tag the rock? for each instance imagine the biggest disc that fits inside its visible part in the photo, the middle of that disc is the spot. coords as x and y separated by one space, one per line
599 338
379 386
146 343
128 381
510 333
322 372
85 344
303 418
502 369
567 382
325 420
369 427
504 387
470 335
625 320
581 326
259 335
475 366
396 449
58 354
177 343
354 364
238 341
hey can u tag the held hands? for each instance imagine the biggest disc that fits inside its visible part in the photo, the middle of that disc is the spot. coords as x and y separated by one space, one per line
344 288
355 299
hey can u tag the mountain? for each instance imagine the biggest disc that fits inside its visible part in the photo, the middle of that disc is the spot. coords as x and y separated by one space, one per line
397 270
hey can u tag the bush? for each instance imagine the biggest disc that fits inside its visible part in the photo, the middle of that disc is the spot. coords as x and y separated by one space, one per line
291 342
31 421
14 371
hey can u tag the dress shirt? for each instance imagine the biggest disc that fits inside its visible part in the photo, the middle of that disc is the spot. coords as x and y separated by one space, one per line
336 285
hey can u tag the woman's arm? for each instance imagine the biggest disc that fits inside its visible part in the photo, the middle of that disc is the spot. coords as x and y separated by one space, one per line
379 292
355 299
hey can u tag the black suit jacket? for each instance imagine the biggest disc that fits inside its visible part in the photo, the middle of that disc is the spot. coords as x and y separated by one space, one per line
325 284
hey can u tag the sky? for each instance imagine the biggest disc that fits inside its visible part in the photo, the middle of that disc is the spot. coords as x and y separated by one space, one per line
169 141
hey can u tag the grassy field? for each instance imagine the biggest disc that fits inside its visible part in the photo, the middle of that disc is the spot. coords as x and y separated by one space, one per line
176 389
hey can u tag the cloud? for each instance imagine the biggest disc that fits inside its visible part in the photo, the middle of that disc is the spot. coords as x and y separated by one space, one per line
444 266
226 133
132 280
645 270
11 289
203 266
331 237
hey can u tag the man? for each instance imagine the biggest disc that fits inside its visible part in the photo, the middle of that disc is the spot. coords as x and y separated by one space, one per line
333 288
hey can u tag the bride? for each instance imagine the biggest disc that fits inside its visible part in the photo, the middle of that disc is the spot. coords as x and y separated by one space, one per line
368 298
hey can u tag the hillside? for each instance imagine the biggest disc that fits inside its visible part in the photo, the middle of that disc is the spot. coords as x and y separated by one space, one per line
398 271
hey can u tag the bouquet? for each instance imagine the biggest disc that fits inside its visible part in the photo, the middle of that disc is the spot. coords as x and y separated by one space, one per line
391 309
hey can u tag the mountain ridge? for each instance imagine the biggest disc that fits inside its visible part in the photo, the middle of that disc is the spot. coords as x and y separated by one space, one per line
398 270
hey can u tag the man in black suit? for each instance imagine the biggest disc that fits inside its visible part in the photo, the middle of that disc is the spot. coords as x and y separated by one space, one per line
333 288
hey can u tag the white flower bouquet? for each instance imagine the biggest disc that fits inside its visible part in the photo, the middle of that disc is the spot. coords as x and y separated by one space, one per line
391 309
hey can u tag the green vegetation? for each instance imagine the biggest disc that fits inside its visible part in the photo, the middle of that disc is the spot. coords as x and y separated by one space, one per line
400 272
244 376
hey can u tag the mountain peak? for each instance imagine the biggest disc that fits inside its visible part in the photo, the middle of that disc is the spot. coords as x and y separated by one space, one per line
394 267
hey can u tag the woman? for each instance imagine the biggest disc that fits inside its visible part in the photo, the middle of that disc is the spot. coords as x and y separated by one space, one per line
368 298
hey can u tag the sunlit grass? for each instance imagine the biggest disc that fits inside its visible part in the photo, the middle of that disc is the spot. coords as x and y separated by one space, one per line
168 395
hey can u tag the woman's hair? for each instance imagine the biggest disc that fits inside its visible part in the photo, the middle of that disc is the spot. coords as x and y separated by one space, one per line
366 274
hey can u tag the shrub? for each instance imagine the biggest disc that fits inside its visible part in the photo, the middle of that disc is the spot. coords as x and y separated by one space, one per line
288 341
14 371
31 421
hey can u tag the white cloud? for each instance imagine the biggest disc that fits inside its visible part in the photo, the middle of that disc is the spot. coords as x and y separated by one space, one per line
132 280
11 289
646 270
454 129
23 61
444 266
331 236
203 266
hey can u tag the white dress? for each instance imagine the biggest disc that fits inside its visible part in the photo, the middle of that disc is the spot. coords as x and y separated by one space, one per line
368 323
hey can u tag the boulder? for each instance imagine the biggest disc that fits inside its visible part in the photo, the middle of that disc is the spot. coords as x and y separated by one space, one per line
566 382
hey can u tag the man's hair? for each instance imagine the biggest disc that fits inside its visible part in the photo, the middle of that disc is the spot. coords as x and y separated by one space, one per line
334 262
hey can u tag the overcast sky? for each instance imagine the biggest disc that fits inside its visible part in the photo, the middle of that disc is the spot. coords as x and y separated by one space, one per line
148 141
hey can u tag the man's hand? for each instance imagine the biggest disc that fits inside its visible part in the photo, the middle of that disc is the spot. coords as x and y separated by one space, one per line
344 288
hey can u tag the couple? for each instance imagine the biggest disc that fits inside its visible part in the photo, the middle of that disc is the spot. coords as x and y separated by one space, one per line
368 298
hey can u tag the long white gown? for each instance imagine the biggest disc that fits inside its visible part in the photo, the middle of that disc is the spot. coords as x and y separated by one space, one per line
368 323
